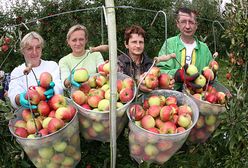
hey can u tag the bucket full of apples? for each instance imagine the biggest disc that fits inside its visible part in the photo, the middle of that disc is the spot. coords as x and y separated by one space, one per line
211 99
160 123
48 134
92 99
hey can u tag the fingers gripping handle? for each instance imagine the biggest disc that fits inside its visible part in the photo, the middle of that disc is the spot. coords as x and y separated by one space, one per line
164 57
27 69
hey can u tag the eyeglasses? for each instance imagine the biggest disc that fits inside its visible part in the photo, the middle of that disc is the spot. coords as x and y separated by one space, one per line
185 22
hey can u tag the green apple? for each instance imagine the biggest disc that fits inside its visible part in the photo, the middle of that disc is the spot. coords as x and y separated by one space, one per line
81 75
46 152
60 146
191 70
200 80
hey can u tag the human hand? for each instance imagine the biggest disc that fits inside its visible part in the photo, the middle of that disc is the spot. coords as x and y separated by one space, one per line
25 103
72 81
142 85
100 48
164 57
182 77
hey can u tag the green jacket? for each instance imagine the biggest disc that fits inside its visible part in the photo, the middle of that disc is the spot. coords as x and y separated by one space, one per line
201 56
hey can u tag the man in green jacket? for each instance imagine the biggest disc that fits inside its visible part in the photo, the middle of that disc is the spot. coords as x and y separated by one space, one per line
188 49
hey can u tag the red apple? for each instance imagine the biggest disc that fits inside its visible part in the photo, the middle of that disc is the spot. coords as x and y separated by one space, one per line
86 106
211 98
155 71
7 40
126 95
200 122
5 48
57 101
185 109
100 69
72 110
208 74
106 67
55 124
151 81
79 97
158 122
85 87
180 129
228 76
136 111
41 91
221 97
162 100
43 108
44 132
147 122
154 110
26 114
33 96
101 80
128 83
119 85
166 113
168 127
20 124
171 100
21 132
46 121
52 114
197 96
164 81
154 130
45 79
164 145
175 108
63 113
31 128
100 92
94 100
214 65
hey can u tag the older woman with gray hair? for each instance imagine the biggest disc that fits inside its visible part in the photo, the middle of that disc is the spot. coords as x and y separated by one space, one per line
31 47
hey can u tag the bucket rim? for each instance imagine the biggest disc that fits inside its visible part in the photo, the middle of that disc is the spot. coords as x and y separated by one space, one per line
169 135
46 136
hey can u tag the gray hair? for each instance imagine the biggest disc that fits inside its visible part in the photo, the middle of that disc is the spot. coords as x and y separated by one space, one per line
26 40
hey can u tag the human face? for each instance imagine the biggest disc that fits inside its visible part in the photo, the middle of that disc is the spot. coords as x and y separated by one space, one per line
135 45
32 52
77 42
187 25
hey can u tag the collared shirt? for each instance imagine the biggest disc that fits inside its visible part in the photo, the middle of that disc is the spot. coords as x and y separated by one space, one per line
201 55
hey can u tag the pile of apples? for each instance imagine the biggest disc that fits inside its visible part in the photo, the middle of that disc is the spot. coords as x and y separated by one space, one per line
50 115
205 126
34 127
155 79
158 115
93 98
207 92
162 115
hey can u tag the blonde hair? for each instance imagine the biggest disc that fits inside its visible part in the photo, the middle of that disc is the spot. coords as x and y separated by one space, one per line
26 40
75 28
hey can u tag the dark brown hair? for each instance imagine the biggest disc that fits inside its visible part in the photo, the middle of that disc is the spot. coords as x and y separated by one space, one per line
186 10
134 29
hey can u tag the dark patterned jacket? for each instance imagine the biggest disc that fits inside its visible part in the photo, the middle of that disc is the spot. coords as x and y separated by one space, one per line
128 67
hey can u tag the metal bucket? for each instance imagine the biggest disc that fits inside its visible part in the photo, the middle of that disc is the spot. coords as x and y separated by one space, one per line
58 149
95 125
158 148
